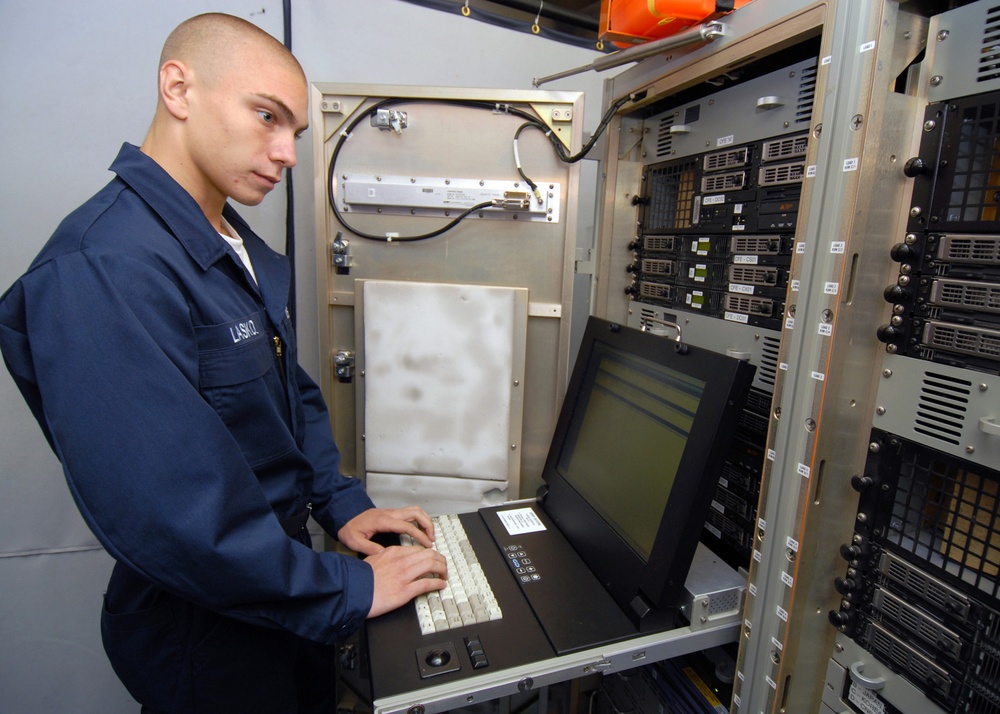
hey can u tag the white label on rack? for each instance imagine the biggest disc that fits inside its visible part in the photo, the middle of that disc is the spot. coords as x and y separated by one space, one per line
786 579
818 376
866 700
713 200
795 286
790 323
725 140
713 530
838 246
771 454
811 171
777 643
745 259
792 543
825 330
868 46
762 524
756 555
783 366
831 288
771 684
744 289
737 317
737 209
753 589
826 60
802 470
718 506
851 164
800 247
782 613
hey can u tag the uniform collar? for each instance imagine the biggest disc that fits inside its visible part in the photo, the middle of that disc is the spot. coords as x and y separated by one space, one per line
200 239
172 203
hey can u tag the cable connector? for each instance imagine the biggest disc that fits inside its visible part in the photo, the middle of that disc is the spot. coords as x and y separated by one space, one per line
513 200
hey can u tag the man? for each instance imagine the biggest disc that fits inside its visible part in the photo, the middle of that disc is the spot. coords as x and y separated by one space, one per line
151 340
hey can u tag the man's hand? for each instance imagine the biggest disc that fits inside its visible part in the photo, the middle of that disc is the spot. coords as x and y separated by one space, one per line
402 573
357 533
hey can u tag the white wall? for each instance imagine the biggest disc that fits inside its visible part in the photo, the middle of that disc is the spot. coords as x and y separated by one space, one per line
78 79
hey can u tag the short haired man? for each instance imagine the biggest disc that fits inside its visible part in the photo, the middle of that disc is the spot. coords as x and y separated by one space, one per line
152 341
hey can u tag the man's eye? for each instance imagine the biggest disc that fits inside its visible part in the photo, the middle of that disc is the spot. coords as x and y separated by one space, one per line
265 115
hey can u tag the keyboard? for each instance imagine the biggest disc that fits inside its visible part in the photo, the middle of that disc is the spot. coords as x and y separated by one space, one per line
467 599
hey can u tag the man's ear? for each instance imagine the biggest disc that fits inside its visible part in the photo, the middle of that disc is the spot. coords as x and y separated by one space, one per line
174 76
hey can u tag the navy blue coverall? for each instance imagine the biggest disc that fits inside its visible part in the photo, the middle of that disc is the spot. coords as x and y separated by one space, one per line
166 381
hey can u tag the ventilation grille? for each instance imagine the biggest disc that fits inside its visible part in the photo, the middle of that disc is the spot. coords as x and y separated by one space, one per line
658 266
664 139
717 183
942 407
727 159
786 148
972 197
906 617
924 586
944 515
908 659
807 95
983 297
966 340
989 60
783 174
671 197
753 275
983 250
768 371
755 245
748 305
661 243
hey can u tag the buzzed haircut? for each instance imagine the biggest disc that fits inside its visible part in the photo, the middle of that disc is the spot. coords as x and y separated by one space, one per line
212 37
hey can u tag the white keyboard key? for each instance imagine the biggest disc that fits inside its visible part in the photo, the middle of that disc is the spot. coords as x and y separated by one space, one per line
467 598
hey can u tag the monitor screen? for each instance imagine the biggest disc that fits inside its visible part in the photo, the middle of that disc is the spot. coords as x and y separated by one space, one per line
644 430
626 438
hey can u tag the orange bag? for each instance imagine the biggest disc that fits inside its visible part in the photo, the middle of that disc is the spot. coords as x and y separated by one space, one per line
630 22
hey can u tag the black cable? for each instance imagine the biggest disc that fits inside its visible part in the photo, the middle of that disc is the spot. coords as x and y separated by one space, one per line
530 120
289 191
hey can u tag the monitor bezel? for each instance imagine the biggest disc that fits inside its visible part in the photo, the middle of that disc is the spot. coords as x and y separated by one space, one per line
649 591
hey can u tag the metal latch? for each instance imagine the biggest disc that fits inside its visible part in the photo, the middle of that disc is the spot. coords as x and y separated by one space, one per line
340 255
343 365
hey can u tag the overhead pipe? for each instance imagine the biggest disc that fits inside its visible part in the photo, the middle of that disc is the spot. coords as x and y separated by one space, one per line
705 33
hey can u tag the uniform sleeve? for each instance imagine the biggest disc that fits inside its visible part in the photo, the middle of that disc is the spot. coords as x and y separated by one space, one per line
104 351
336 499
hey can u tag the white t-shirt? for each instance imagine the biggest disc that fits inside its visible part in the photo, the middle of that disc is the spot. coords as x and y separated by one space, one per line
236 242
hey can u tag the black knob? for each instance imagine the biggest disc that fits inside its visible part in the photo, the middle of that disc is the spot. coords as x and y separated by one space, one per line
888 333
844 586
840 619
861 483
850 552
914 167
639 201
895 293
634 245
901 252
631 268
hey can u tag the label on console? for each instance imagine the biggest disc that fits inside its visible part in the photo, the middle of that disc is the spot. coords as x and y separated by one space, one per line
520 520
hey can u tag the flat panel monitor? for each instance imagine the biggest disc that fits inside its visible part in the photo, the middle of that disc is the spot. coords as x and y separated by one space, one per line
642 435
